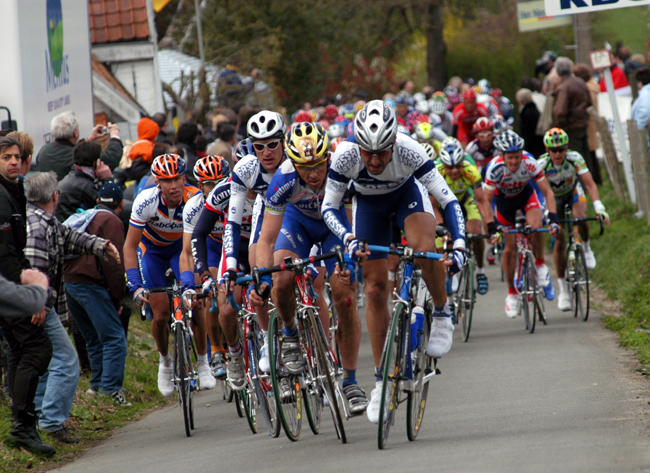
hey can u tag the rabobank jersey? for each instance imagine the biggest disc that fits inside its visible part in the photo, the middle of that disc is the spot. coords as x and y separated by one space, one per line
508 183
288 188
162 225
191 214
563 178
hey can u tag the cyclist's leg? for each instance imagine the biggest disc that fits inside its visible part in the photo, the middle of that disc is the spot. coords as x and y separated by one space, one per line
393 260
534 210
505 211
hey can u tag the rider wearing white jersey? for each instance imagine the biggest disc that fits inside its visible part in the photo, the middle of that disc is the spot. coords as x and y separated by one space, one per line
390 174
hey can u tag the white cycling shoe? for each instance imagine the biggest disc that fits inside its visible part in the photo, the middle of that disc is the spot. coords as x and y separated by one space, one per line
165 383
264 358
372 411
590 258
564 301
206 380
441 337
543 277
512 302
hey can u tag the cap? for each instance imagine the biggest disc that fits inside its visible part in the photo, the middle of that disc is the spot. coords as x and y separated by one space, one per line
110 193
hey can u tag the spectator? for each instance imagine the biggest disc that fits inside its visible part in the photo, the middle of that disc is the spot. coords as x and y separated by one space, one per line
142 150
186 141
571 100
220 115
245 114
79 189
225 142
27 144
529 116
25 299
641 106
584 72
57 156
30 347
544 64
230 88
621 84
47 242
636 62
161 121
94 289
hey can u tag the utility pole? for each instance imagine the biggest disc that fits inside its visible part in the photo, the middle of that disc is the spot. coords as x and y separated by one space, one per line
584 41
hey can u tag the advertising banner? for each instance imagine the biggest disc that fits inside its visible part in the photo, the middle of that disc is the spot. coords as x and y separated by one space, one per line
563 7
532 16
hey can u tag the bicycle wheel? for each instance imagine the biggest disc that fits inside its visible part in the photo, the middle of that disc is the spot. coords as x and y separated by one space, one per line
226 390
312 392
261 384
581 285
417 397
530 280
466 294
286 387
391 374
192 357
325 373
246 403
180 375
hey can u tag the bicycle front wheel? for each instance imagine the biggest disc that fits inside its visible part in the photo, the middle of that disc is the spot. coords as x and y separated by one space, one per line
528 303
466 299
181 378
286 387
417 397
581 285
262 384
392 373
312 393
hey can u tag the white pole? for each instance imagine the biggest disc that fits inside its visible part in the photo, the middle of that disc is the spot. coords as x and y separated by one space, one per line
199 30
627 164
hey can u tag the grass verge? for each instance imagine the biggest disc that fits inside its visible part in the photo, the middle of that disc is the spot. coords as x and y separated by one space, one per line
623 272
95 418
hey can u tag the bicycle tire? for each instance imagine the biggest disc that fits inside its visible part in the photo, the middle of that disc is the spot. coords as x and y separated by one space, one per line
312 393
468 297
226 391
262 386
286 387
245 399
324 367
417 398
391 375
581 285
238 404
180 371
191 350
530 274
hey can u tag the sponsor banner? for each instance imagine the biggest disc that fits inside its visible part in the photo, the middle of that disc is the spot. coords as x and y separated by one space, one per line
532 16
563 7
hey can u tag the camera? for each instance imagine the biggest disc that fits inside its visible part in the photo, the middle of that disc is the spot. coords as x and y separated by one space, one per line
105 130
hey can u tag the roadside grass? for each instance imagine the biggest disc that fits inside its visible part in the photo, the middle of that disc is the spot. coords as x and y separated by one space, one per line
623 273
95 418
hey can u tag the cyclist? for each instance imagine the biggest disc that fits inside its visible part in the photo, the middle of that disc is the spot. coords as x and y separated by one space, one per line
292 225
507 182
465 114
153 243
427 133
208 172
403 105
482 149
465 181
565 170
440 116
253 173
390 174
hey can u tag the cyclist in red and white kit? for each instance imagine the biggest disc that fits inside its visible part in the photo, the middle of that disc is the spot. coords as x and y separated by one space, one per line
465 115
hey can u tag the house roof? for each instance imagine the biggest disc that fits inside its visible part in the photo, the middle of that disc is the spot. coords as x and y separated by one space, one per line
171 63
114 21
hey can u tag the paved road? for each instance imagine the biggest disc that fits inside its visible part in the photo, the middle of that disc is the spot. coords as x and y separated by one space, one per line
565 399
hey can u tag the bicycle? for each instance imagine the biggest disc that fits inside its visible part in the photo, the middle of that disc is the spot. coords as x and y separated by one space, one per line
184 357
258 391
465 297
318 384
577 276
529 292
405 366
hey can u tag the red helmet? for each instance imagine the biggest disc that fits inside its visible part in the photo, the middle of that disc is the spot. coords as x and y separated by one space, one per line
331 111
496 93
168 166
482 124
469 95
303 117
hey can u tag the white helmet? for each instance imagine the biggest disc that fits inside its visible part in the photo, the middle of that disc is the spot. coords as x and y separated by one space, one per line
375 126
335 130
438 106
422 107
265 125
451 152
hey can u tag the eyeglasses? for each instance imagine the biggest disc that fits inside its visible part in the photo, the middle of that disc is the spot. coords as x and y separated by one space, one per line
557 150
310 166
449 168
485 134
380 154
271 145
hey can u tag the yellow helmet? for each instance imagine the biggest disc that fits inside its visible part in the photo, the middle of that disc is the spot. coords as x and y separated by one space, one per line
306 143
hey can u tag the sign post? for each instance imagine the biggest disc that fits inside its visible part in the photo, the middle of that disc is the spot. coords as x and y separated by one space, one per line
601 60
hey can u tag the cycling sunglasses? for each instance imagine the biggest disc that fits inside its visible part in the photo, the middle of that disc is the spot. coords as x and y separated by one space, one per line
310 165
271 145
558 149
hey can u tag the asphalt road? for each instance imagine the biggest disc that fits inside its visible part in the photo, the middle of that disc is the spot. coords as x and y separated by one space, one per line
564 399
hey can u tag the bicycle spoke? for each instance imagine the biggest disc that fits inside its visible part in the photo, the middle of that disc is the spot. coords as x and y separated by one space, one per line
391 375
422 366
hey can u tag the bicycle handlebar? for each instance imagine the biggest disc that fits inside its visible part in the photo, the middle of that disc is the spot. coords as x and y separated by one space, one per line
586 219
527 230
404 251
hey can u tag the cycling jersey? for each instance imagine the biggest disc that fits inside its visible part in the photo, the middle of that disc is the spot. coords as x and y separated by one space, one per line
162 225
563 178
191 214
409 162
482 156
464 120
510 184
248 174
287 187
470 178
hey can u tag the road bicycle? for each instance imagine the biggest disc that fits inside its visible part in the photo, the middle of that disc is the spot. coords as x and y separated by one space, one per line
577 276
530 294
318 386
405 367
185 374
465 296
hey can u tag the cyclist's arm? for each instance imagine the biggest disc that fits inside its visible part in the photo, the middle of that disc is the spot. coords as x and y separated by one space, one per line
436 210
484 205
588 181
548 193
186 263
331 208
265 245
232 231
202 230
133 239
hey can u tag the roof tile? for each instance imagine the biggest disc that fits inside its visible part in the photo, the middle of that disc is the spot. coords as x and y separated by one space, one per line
118 20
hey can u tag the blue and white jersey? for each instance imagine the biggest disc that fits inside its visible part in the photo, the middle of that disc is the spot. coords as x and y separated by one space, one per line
191 214
510 184
248 174
288 188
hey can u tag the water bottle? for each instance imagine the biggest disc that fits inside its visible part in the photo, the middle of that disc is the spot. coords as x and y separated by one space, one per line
417 323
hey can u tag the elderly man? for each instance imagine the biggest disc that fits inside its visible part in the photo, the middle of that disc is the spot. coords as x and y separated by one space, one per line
48 241
570 107
57 156
30 348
